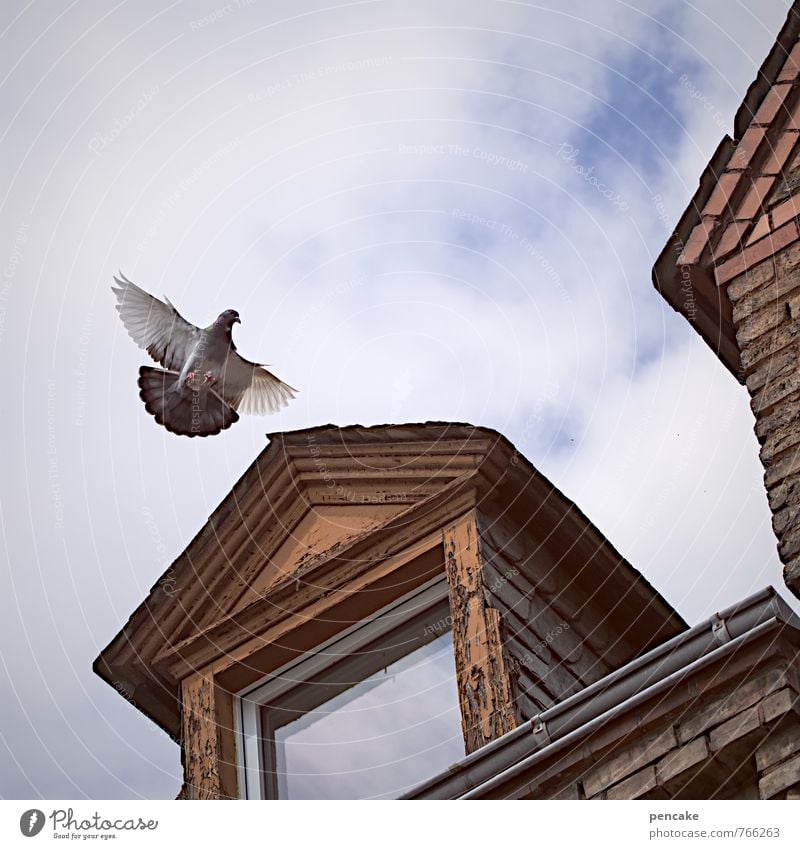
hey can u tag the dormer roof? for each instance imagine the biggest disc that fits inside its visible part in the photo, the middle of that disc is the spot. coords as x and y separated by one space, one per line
312 521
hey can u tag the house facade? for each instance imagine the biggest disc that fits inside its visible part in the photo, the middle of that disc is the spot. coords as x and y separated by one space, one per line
732 268
415 611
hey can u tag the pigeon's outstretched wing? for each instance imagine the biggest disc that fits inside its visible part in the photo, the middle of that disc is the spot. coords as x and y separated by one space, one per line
154 325
249 388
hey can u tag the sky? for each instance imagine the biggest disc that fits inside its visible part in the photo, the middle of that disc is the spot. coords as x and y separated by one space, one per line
423 211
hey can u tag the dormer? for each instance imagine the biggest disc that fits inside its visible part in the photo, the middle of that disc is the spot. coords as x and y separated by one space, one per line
369 605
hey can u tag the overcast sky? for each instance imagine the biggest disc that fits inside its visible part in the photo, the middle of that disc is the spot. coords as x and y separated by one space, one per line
422 210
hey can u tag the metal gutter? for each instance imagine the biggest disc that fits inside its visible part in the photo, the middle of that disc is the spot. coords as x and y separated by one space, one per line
621 690
612 713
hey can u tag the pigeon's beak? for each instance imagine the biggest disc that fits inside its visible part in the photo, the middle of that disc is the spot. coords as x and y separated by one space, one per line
237 320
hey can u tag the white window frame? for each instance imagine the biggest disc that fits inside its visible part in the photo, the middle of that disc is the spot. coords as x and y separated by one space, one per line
247 703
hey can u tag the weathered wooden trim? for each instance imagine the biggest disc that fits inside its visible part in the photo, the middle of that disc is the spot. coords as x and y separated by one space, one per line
226 735
324 584
208 741
484 687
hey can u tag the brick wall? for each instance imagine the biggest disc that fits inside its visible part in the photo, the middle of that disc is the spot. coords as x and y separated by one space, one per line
742 743
766 312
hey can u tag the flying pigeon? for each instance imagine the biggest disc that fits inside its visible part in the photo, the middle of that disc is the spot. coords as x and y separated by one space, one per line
205 384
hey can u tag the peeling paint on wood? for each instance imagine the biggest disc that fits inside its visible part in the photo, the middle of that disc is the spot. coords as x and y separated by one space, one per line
201 745
487 710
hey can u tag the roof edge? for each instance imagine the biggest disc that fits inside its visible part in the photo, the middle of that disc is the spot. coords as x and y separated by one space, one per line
492 764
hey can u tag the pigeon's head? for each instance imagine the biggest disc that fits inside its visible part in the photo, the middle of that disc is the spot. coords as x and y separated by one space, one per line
227 319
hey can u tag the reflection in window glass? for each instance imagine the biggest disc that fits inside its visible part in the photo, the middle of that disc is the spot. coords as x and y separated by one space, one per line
380 736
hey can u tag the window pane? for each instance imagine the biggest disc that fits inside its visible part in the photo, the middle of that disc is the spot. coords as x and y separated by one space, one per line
379 737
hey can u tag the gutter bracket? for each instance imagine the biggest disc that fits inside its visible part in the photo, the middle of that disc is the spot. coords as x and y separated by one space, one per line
540 734
719 630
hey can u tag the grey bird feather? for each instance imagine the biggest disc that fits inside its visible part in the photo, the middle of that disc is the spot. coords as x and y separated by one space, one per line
205 383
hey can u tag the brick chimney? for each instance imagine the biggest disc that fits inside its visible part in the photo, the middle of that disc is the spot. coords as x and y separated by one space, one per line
732 268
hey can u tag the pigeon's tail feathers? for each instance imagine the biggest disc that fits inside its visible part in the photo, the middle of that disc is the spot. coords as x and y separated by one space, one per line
180 409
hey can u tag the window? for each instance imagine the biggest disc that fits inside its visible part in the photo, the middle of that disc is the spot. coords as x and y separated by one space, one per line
367 715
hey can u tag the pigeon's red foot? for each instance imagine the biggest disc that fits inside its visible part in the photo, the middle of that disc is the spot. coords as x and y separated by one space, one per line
190 378
209 378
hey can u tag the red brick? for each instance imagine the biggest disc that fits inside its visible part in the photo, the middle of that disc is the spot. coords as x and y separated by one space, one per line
731 239
696 243
785 211
779 153
780 238
772 103
791 67
755 197
731 268
720 198
747 147
761 229
794 118
756 252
